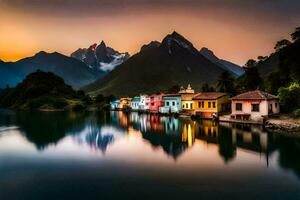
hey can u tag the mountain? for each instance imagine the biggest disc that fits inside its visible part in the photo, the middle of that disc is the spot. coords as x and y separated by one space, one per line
229 66
174 61
100 57
74 72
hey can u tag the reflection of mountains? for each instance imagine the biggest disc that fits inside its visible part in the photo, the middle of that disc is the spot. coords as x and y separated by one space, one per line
99 138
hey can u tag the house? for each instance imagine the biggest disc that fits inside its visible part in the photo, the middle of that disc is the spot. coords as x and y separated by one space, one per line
114 104
187 102
124 103
209 103
144 102
156 101
254 105
172 104
135 101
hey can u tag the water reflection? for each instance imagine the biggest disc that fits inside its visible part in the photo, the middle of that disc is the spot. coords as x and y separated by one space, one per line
174 136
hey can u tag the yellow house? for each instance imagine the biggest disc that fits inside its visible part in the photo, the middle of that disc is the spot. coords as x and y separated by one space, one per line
209 103
187 103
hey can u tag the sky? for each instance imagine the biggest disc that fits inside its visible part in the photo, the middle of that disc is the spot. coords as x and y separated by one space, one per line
236 30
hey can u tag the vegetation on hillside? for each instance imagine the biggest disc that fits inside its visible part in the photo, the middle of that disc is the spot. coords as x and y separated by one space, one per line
44 91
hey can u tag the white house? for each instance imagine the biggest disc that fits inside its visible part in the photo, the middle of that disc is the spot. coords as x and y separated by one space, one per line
144 102
254 105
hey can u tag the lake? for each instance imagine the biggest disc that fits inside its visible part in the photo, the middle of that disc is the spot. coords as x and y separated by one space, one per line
114 155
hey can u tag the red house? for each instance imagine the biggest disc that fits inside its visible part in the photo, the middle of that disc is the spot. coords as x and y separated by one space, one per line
156 100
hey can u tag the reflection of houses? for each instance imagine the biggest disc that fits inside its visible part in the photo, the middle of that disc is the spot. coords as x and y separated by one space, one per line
187 102
209 103
172 103
208 131
114 104
254 105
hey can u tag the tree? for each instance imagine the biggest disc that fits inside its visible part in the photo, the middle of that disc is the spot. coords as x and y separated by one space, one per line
262 58
281 44
174 89
296 35
226 83
207 88
250 63
289 97
251 80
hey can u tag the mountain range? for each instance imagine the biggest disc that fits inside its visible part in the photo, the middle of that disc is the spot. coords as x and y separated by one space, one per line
100 57
159 66
74 72
226 65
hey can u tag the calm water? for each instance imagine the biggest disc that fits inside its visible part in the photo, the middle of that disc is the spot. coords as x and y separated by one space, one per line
119 156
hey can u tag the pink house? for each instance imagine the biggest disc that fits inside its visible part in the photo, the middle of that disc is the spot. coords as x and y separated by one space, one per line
156 101
254 105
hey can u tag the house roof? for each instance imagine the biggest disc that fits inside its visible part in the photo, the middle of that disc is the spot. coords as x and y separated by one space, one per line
209 95
255 95
135 99
172 95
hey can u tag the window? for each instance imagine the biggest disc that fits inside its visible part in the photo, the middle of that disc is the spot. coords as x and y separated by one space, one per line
173 103
202 104
187 105
152 104
167 103
191 105
199 104
209 104
214 104
182 105
238 106
255 107
276 105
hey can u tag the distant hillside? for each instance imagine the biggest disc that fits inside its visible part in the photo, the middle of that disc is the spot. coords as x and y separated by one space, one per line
38 88
74 72
157 67
229 66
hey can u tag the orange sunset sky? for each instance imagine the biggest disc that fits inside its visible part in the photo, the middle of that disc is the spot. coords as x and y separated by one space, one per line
234 30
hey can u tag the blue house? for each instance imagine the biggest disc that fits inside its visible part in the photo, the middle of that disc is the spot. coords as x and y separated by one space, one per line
135 102
114 105
172 104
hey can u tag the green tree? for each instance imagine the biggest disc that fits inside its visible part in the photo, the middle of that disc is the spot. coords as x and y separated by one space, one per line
296 35
289 97
226 83
281 44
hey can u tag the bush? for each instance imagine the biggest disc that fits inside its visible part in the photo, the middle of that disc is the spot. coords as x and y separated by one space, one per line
78 107
55 103
297 113
289 97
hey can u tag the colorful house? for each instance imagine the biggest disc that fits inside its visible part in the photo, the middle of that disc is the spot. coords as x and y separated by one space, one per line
124 103
114 104
156 101
187 102
172 104
144 103
209 103
135 101
254 105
